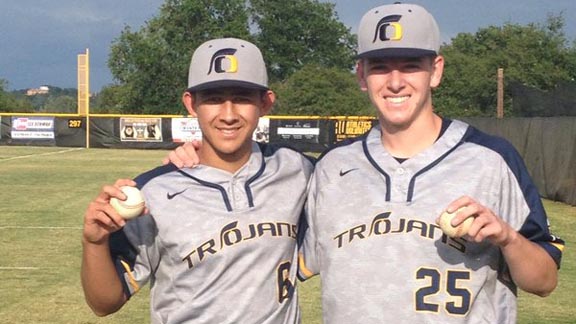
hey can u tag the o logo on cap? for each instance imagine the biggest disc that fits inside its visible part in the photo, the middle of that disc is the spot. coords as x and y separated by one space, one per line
224 61
383 26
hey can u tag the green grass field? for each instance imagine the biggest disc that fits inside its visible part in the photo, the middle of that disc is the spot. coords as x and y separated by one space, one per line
44 192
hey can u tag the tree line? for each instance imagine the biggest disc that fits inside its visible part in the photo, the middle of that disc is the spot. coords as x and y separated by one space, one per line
310 54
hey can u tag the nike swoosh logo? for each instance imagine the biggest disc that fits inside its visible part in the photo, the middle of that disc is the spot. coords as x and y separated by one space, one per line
171 196
343 173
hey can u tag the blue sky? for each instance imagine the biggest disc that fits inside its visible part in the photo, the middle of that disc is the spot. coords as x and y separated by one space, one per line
40 39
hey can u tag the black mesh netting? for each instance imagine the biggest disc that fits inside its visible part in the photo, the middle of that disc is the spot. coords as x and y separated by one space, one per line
532 102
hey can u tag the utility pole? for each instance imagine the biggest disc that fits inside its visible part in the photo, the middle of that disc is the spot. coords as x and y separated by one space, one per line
500 103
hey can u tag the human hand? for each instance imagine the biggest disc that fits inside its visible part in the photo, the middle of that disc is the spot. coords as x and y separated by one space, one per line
485 226
101 219
185 155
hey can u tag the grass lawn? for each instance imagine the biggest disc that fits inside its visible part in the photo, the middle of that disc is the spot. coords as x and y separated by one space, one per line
44 193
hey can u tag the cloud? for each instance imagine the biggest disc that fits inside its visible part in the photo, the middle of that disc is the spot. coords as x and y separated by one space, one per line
40 39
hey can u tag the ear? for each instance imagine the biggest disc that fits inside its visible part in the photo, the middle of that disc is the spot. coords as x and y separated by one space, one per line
268 100
437 71
360 75
188 101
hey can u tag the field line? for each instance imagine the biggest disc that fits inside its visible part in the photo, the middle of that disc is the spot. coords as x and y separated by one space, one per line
20 268
42 227
42 154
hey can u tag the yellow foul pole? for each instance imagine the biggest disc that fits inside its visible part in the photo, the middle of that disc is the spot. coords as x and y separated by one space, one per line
84 91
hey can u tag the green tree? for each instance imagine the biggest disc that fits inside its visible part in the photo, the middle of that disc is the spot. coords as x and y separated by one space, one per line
299 32
51 101
535 55
61 104
9 103
322 91
151 64
110 100
3 96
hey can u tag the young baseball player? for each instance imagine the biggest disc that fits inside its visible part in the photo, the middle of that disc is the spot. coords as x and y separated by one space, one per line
217 242
373 202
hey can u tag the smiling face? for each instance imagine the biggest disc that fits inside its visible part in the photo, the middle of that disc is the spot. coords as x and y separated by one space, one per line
227 118
400 88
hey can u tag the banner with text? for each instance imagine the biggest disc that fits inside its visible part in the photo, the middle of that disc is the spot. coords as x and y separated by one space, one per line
298 130
350 128
32 128
141 129
185 130
262 131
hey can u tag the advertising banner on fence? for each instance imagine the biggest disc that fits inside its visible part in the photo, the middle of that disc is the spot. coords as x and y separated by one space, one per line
299 130
188 129
141 129
262 131
185 130
348 128
32 128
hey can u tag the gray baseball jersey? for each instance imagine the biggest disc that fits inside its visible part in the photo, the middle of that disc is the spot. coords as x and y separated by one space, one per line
218 247
372 234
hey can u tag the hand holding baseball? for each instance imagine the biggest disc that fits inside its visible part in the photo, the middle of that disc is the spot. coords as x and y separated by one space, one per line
132 207
101 219
458 230
483 224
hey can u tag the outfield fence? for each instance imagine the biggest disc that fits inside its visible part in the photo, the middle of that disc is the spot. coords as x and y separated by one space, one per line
547 145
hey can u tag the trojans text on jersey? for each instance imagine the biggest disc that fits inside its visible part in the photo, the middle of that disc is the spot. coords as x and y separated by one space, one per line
382 225
232 234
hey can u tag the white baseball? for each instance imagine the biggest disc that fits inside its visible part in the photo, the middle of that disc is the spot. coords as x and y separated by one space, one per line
454 231
133 205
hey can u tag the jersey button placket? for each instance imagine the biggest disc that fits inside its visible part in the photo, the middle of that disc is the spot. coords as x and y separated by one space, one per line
239 198
402 180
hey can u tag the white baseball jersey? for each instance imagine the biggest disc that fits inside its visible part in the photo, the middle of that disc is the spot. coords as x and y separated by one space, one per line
218 247
372 234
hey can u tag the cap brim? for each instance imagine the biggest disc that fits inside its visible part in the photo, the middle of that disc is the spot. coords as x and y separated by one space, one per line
227 84
397 52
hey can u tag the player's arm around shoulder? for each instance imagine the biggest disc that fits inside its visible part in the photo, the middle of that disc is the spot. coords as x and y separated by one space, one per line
185 155
102 287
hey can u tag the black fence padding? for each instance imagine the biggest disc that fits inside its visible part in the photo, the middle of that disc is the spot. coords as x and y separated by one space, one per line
548 147
6 136
532 102
70 131
105 133
307 135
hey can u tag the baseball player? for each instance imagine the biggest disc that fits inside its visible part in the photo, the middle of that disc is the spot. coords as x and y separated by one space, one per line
217 242
373 202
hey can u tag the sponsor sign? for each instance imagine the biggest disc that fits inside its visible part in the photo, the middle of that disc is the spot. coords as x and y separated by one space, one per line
32 128
349 128
141 129
262 131
186 130
299 130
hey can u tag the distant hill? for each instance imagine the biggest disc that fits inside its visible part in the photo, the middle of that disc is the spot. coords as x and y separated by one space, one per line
49 98
52 91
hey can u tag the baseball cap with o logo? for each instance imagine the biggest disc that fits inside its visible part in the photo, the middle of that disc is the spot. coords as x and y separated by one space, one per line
227 62
398 30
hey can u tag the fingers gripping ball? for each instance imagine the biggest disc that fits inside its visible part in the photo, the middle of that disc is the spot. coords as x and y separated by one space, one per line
133 205
454 231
